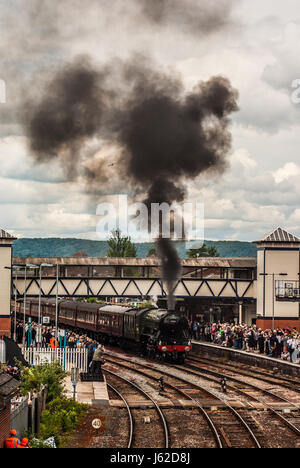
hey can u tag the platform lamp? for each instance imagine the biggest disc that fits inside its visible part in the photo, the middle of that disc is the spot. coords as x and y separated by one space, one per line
273 293
15 269
42 265
56 304
30 267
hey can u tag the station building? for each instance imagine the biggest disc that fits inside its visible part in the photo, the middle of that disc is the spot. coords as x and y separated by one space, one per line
6 242
262 290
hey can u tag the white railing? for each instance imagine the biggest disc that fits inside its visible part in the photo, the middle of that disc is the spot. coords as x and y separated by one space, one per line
68 358
2 351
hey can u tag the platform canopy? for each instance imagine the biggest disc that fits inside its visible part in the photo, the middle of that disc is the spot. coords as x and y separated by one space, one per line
6 235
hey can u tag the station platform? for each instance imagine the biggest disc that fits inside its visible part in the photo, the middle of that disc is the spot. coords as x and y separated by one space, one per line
245 357
90 393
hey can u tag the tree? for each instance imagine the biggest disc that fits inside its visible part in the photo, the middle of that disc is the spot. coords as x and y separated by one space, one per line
203 251
213 251
51 375
120 245
152 252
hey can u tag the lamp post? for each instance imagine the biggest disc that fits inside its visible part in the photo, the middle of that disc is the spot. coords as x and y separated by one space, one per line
42 265
56 304
273 292
35 267
15 268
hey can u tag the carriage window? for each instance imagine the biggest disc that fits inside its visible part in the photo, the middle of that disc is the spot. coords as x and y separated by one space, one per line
104 320
90 317
68 313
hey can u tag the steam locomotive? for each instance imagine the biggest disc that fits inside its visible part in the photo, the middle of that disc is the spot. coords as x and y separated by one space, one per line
149 331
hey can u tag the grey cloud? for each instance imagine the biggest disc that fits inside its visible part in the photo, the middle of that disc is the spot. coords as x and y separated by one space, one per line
192 17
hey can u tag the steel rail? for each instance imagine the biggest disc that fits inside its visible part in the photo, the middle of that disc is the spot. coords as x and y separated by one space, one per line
263 376
164 422
131 423
200 372
182 392
233 411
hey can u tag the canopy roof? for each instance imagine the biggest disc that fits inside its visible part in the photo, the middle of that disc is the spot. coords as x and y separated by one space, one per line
279 235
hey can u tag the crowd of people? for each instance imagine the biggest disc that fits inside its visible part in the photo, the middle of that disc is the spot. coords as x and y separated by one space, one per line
279 343
49 338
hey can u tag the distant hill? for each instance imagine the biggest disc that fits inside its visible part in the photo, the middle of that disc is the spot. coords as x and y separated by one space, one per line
57 247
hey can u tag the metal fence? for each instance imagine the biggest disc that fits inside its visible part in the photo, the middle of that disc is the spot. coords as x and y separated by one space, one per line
2 351
19 417
68 358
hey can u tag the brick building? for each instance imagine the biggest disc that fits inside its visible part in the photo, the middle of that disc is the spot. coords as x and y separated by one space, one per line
8 388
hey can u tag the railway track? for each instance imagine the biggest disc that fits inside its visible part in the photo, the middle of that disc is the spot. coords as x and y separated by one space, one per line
129 412
257 394
154 375
249 371
254 380
133 434
229 427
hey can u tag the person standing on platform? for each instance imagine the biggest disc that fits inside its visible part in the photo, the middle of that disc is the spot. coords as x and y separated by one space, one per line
53 343
97 360
261 341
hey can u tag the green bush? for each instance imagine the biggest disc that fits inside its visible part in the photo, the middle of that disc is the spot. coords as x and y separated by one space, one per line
62 416
51 375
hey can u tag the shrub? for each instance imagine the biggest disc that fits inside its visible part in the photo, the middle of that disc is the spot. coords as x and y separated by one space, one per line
51 375
62 416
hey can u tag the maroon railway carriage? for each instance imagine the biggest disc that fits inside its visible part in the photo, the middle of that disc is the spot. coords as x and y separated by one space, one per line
96 318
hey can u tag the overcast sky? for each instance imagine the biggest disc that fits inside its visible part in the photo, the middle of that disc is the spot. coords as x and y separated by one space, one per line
255 44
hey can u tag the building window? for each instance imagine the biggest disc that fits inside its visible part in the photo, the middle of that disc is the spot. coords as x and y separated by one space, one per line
213 273
242 274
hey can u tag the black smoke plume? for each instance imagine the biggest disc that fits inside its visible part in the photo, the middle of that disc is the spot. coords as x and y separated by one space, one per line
70 111
166 136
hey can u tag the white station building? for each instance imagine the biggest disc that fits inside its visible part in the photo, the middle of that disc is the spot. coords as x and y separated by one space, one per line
262 290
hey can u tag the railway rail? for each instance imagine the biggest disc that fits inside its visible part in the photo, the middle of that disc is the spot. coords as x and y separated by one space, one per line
130 417
253 385
240 431
249 371
145 394
182 392
257 395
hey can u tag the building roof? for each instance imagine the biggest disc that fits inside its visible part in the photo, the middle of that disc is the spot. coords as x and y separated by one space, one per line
6 235
206 262
8 385
279 235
